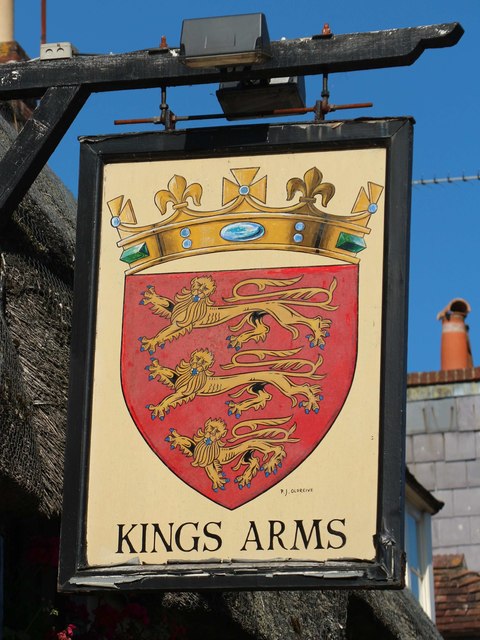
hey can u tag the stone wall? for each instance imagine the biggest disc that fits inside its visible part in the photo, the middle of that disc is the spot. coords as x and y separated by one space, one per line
443 453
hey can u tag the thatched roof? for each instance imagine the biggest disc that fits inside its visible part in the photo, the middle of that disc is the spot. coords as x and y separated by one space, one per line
309 615
36 260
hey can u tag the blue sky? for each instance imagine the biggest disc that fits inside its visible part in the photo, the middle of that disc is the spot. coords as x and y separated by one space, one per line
441 90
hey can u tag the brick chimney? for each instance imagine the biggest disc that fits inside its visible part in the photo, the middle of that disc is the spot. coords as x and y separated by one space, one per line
455 348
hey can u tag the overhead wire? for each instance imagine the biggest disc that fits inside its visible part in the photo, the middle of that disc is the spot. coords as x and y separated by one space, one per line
447 180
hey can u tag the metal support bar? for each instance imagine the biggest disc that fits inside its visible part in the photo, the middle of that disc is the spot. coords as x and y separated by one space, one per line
35 143
163 67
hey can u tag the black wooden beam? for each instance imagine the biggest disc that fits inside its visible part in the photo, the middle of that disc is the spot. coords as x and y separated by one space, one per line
155 67
36 141
66 84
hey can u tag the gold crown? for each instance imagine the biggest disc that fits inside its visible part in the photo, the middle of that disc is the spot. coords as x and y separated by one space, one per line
244 221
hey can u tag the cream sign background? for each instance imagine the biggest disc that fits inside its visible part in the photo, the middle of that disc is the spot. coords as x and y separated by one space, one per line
336 484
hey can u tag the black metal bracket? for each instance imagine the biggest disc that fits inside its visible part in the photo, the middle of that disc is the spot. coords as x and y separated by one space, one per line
66 84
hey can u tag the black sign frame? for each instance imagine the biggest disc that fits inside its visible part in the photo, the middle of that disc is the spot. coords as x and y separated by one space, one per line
386 571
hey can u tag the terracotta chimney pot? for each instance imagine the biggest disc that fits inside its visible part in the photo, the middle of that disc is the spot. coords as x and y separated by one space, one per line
455 349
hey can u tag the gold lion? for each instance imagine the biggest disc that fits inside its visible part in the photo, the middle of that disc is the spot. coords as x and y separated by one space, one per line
193 308
196 378
210 452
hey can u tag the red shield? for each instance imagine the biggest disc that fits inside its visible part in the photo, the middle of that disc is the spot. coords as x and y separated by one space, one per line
233 378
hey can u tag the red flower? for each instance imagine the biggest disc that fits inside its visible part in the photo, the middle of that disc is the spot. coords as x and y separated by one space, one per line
66 633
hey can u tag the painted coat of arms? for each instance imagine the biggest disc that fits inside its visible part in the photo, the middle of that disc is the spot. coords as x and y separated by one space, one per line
234 376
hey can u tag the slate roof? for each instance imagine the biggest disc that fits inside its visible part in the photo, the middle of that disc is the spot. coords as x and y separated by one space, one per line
457 597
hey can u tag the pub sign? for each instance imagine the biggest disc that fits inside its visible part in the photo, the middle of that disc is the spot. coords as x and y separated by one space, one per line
237 387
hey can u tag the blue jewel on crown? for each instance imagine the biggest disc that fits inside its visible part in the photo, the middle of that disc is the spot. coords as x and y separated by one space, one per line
242 231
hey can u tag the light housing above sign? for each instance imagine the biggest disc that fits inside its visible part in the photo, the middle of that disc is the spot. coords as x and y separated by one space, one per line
237 396
242 99
225 41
